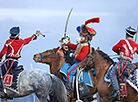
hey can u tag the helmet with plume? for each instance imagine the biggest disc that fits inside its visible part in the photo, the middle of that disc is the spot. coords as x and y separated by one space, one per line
87 31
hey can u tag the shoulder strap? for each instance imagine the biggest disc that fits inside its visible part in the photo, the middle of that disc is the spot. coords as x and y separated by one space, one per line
89 47
130 47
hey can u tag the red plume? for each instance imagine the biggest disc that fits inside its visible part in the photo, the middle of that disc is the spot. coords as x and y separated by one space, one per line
93 20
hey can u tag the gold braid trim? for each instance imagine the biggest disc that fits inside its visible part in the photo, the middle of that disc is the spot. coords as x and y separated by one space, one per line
84 33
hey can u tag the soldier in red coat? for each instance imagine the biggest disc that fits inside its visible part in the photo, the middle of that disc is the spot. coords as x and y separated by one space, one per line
82 49
125 48
12 48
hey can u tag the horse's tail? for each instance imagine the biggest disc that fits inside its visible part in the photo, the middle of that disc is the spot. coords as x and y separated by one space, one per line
59 88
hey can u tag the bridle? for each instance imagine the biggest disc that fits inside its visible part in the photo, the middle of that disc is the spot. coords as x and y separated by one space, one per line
41 57
87 65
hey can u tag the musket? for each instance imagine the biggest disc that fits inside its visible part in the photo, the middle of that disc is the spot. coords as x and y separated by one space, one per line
67 22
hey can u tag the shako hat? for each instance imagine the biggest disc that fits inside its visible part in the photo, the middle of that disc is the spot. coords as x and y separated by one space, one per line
14 31
130 31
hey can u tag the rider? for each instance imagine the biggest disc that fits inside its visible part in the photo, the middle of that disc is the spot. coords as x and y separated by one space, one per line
12 48
68 60
66 51
125 49
82 49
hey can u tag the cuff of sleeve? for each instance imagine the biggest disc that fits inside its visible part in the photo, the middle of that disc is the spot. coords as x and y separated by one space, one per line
75 56
35 37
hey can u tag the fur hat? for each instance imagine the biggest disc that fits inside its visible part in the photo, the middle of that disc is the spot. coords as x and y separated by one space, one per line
87 31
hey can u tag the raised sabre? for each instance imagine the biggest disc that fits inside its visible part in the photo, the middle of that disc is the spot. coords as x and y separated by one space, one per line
67 22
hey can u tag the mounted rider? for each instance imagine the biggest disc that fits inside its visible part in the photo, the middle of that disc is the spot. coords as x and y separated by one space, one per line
66 51
82 49
125 48
12 48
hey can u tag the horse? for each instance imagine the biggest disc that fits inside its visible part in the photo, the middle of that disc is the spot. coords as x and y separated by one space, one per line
101 62
55 59
39 82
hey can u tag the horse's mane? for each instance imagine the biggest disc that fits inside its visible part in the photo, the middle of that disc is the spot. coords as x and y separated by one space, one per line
105 56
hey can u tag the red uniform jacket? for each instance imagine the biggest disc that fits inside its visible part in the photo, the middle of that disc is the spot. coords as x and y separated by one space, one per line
122 49
82 50
13 47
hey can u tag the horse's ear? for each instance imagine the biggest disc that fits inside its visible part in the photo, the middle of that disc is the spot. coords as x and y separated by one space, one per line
56 49
93 49
98 48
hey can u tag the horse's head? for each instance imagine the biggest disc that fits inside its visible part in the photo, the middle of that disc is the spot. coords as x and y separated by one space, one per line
88 62
46 56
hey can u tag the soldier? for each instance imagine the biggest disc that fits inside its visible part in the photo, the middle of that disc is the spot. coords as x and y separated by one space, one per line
68 60
125 49
12 48
82 49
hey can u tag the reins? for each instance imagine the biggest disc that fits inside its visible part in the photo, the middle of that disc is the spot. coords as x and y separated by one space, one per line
48 56
97 59
41 57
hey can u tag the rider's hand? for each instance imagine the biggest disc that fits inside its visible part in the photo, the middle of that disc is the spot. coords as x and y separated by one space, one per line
66 41
37 33
71 54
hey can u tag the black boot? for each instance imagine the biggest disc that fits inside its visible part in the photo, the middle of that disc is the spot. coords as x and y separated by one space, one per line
69 87
114 94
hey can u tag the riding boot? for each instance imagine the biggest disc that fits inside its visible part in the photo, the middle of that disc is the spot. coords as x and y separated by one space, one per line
115 83
69 87
63 77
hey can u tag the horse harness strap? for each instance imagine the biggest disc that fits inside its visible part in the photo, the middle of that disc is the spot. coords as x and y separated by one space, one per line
92 58
41 57
8 69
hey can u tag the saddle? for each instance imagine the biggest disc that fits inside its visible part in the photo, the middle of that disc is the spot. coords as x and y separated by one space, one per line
84 79
132 80
10 78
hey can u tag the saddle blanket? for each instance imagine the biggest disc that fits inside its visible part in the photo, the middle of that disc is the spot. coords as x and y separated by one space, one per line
86 78
132 81
10 80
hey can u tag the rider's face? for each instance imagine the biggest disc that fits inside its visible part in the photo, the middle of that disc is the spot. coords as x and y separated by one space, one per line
65 47
82 39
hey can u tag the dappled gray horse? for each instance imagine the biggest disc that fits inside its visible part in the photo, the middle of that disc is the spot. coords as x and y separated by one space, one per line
39 82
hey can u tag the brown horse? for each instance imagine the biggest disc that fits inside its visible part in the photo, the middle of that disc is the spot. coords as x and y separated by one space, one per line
55 59
101 62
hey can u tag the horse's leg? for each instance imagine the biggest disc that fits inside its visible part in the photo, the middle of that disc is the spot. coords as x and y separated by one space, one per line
3 99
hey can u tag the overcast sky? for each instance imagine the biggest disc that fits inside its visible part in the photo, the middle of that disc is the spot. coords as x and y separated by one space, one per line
49 16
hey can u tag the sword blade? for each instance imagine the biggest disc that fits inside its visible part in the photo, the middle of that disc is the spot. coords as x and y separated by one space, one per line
67 22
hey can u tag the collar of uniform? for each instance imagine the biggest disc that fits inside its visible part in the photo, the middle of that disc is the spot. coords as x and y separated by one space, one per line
129 38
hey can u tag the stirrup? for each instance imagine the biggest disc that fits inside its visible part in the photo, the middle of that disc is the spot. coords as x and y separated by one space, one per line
119 97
